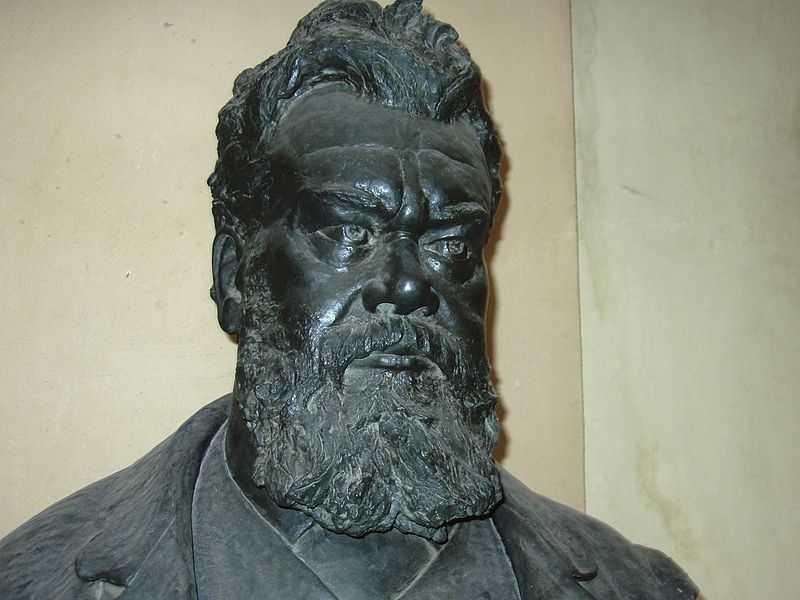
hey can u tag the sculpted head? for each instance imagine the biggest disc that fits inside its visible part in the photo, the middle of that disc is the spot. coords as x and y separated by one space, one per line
353 196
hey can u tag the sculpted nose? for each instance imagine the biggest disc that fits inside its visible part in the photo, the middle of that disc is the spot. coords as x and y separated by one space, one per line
402 287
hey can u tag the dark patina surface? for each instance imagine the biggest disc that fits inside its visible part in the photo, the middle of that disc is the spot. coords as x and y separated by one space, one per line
357 179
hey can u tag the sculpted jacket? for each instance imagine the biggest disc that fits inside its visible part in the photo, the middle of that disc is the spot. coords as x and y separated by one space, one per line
129 536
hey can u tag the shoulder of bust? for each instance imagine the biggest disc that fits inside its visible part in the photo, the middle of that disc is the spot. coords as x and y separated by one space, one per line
102 534
558 552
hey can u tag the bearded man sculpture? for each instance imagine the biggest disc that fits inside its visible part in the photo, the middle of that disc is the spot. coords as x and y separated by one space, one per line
357 178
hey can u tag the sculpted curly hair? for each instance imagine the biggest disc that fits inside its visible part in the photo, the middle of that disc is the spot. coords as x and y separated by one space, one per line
397 56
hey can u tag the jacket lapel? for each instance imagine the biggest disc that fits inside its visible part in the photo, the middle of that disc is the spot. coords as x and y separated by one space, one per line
143 548
559 553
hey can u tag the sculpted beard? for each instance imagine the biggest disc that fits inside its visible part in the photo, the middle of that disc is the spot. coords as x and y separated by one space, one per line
374 449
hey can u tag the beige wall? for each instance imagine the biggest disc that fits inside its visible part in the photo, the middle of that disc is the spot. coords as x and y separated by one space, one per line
109 340
688 138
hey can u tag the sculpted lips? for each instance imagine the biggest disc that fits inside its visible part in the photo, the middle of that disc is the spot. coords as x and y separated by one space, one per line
395 358
392 343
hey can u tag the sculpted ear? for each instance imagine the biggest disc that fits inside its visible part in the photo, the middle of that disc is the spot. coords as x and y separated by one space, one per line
225 291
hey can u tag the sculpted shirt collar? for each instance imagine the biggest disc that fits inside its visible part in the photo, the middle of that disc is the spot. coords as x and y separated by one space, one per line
291 524
284 550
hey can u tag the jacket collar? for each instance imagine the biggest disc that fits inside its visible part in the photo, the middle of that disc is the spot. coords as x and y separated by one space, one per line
556 552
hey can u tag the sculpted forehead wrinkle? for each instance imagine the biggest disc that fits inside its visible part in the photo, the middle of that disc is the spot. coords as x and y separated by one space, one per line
330 137
376 170
352 162
454 180
330 116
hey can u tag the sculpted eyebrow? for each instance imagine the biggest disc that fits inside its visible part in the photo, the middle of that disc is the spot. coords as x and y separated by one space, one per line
347 198
472 212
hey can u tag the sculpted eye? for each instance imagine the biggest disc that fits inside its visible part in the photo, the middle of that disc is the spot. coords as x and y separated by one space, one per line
453 248
355 234
348 235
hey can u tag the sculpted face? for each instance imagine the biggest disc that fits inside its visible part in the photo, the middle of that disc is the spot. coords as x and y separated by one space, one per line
382 213
362 375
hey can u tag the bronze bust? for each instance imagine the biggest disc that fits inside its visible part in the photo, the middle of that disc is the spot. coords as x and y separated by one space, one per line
357 179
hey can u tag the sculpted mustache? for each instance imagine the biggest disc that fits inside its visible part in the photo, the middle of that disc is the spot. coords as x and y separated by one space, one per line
342 344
